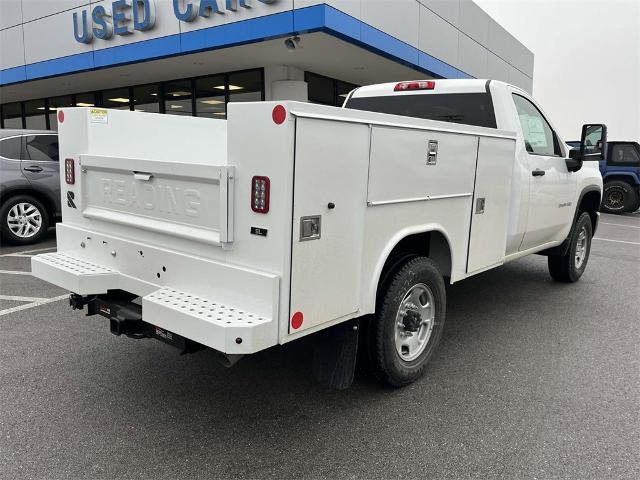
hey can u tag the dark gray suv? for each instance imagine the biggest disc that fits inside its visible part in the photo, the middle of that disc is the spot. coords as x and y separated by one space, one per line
29 184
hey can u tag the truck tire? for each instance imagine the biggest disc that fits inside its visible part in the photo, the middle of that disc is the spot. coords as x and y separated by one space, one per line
406 329
619 197
24 220
569 268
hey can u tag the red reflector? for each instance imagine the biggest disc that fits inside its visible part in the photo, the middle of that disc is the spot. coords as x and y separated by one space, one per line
421 85
279 114
60 116
260 187
296 320
69 170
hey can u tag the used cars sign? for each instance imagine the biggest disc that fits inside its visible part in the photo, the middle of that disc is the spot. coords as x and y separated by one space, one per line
123 17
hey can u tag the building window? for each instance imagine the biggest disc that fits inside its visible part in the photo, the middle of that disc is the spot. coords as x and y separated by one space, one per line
246 86
327 91
85 100
35 115
12 115
55 103
117 99
211 97
146 98
202 97
178 97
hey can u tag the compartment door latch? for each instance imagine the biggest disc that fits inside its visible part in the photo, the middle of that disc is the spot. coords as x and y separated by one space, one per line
310 228
432 152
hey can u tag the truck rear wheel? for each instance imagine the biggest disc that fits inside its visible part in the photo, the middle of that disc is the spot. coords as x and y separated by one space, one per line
569 268
619 197
407 326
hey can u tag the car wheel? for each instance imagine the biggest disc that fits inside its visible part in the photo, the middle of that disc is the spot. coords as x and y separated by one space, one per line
24 220
618 197
406 329
569 268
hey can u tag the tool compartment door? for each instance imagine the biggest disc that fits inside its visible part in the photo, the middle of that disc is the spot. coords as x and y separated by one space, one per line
331 165
491 203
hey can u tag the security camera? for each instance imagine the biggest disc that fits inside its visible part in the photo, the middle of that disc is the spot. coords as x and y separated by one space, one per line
292 43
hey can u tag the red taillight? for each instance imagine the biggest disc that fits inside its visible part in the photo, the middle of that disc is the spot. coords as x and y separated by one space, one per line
421 85
70 171
260 187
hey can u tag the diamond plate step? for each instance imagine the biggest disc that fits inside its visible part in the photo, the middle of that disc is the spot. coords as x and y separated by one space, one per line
74 274
222 327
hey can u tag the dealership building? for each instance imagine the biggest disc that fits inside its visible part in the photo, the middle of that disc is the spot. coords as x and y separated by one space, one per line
193 57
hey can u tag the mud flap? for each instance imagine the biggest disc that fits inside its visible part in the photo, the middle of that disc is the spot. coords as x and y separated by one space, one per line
334 355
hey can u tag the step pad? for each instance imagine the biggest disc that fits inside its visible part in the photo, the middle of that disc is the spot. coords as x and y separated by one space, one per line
222 327
74 274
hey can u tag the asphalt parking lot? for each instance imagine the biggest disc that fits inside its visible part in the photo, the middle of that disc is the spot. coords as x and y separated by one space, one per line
534 379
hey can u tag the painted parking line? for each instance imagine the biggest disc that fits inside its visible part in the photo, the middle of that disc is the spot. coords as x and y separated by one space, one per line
615 241
619 225
27 253
14 298
14 272
27 306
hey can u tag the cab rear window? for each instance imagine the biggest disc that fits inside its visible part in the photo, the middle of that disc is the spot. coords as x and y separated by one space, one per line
465 108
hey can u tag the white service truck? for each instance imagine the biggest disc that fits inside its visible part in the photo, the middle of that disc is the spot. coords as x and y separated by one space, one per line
291 219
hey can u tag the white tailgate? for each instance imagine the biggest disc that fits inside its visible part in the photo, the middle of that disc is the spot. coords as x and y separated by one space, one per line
190 201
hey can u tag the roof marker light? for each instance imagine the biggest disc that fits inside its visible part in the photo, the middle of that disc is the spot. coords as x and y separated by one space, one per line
419 85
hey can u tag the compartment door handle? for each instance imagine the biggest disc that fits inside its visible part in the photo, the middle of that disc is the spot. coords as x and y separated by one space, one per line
142 176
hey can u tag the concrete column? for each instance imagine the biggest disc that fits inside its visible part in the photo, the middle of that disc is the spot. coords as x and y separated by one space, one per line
285 82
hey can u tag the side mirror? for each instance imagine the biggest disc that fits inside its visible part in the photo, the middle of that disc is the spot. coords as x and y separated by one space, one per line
593 143
573 164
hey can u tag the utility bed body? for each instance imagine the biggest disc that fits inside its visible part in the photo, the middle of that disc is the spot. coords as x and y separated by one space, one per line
161 208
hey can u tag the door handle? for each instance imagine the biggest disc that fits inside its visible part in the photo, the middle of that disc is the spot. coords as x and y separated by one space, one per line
33 168
142 176
538 173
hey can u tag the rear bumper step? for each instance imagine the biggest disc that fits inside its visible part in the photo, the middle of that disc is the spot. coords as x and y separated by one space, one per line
167 311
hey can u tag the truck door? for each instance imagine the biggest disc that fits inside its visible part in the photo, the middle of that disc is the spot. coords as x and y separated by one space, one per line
552 186
330 189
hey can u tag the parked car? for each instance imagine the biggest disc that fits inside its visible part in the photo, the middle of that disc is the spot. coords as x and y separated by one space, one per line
29 184
621 174
345 221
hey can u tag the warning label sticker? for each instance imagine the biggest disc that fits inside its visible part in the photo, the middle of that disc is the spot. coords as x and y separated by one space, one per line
99 115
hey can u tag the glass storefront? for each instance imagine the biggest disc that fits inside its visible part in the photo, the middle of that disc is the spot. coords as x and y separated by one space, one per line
201 97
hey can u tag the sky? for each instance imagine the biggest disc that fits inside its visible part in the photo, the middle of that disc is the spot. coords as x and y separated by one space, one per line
587 60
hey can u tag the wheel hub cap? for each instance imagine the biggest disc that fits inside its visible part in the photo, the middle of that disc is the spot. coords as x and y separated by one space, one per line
24 220
616 199
581 248
414 322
